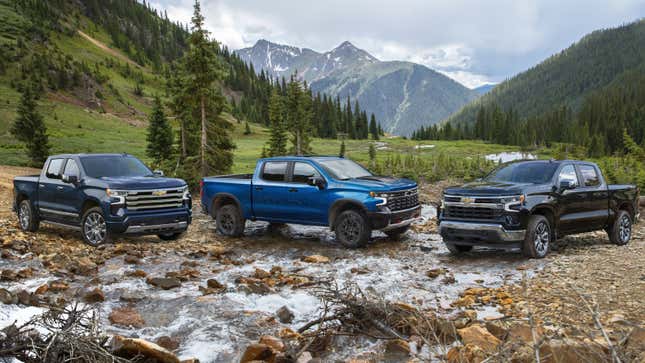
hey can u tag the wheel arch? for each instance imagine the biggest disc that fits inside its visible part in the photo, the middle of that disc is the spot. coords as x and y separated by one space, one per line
342 205
547 212
628 207
222 199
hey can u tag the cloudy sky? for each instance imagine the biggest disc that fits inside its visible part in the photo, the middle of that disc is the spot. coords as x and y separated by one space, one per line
474 42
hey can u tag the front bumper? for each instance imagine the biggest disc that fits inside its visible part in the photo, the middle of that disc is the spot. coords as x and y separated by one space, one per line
388 220
472 233
151 223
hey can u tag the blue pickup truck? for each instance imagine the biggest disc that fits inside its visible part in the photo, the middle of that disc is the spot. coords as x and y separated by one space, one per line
102 195
317 190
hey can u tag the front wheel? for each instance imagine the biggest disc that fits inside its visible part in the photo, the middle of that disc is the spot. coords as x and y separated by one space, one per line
230 221
538 237
620 232
94 227
26 217
352 229
396 233
170 236
457 249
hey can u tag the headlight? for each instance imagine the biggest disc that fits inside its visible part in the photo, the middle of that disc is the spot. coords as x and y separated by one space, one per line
186 192
116 193
513 199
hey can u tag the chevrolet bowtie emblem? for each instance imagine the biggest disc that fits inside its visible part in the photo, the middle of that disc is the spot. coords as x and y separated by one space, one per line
159 193
467 200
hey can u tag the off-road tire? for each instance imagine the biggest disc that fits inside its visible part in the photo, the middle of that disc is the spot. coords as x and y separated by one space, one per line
230 221
94 227
397 233
352 229
171 236
537 240
27 219
620 232
457 249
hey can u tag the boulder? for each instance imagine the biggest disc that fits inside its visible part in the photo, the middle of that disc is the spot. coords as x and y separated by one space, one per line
7 297
130 348
165 283
284 315
316 259
572 351
273 342
167 343
397 347
257 352
126 317
479 336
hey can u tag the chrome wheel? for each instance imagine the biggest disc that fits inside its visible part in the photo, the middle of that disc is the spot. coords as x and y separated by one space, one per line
24 216
95 228
350 228
625 229
542 238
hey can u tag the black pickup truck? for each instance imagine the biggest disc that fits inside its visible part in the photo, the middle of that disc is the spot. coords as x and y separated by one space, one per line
529 204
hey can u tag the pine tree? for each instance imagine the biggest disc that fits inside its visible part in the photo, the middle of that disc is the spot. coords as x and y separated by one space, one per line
372 154
247 128
342 149
298 110
159 136
374 128
278 138
30 128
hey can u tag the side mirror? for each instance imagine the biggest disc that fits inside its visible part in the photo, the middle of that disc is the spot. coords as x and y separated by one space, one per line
158 173
70 179
316 181
567 185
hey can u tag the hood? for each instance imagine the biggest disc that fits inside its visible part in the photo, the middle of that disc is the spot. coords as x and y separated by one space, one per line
380 183
488 188
142 182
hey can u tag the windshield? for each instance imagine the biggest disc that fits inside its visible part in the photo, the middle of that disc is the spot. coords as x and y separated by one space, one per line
537 172
344 169
114 166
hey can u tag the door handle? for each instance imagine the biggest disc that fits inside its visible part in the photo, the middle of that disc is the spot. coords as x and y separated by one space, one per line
293 190
59 188
41 185
258 188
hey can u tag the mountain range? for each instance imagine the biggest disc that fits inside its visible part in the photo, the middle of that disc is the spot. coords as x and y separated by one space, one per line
402 95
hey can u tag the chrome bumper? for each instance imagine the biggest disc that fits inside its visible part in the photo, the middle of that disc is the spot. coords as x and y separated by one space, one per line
469 227
157 227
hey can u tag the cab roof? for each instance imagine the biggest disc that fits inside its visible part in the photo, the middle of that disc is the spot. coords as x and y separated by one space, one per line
303 157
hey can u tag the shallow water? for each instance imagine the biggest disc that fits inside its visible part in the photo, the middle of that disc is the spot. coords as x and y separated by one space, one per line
505 157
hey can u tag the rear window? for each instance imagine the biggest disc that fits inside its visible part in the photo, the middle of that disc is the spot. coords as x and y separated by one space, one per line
274 171
53 170
589 176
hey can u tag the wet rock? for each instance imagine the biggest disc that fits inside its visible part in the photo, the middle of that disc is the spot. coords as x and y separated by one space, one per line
257 287
132 260
26 298
359 270
479 336
435 272
42 289
316 259
82 266
284 315
7 297
261 274
130 348
8 275
464 301
467 353
126 317
93 296
214 284
131 296
304 358
58 286
168 343
499 328
275 343
183 275
165 283
137 273
397 347
572 351
288 333
257 352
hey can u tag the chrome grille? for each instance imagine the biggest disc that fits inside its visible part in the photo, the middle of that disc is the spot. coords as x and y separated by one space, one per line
154 199
404 199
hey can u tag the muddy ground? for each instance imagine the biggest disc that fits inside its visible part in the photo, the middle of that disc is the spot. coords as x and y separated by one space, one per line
209 297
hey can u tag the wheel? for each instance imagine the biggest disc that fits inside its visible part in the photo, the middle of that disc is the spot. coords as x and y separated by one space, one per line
457 249
230 221
538 237
352 229
396 233
94 227
620 232
170 236
26 217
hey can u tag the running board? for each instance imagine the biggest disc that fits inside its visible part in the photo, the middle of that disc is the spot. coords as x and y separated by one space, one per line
63 225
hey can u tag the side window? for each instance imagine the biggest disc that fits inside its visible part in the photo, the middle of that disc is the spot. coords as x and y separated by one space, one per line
302 172
589 176
53 170
274 171
71 168
568 173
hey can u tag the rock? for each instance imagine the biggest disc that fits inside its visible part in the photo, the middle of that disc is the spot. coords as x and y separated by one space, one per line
636 340
132 260
214 284
571 351
82 266
131 296
26 298
130 348
445 330
522 332
435 272
42 289
168 343
273 342
467 353
499 328
304 358
58 286
165 283
257 352
316 259
8 275
7 297
480 337
257 287
288 333
465 301
138 273
93 296
284 315
126 317
261 274
397 346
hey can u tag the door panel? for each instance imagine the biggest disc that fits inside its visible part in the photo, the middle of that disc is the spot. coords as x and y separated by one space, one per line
595 204
69 195
570 201
49 188
306 203
270 192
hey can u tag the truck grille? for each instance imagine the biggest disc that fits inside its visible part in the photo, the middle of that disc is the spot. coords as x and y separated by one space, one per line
470 212
154 199
404 199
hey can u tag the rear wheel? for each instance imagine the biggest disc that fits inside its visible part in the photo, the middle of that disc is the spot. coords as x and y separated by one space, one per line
538 237
230 221
620 232
352 229
94 228
396 233
26 217
170 236
456 249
